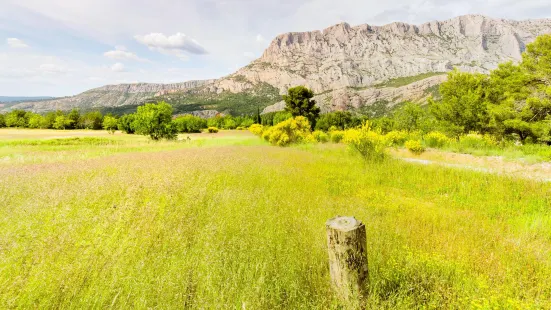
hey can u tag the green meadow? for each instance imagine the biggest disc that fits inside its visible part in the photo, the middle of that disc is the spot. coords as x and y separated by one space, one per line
226 221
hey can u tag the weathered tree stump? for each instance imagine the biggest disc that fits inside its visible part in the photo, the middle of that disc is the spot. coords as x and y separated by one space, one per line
346 239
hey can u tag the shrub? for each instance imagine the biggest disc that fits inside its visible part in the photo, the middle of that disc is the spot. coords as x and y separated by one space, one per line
476 140
212 130
256 129
396 138
266 133
436 139
190 124
415 147
293 130
110 124
320 136
337 136
368 143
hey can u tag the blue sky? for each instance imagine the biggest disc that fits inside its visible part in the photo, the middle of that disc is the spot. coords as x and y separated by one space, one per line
64 47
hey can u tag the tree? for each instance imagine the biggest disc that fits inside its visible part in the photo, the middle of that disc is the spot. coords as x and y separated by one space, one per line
2 120
463 103
16 118
126 123
190 124
339 120
298 103
110 124
155 120
74 115
93 120
35 121
62 122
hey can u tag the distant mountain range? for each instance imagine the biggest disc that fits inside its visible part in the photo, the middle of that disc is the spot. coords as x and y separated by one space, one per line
349 68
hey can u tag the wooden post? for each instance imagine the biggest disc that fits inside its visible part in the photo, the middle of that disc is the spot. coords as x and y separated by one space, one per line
346 239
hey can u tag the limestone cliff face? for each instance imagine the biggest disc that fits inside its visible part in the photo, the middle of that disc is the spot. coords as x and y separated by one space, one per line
344 56
344 63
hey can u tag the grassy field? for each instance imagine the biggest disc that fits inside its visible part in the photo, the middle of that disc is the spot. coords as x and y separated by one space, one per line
226 221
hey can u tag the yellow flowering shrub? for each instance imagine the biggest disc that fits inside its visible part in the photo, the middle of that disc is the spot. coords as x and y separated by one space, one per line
476 140
294 130
415 147
256 129
436 139
369 144
397 138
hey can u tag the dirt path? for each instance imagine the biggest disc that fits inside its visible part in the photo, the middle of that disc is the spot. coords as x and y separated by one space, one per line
490 164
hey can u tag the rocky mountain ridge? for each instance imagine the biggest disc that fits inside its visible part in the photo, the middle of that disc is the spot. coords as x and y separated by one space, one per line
344 64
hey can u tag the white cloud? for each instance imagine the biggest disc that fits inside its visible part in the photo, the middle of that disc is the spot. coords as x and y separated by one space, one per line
118 67
176 45
121 54
16 43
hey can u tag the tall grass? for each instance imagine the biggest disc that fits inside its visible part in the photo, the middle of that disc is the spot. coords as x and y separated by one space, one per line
242 226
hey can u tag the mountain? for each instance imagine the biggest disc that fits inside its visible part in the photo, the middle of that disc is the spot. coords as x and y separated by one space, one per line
110 96
348 67
7 99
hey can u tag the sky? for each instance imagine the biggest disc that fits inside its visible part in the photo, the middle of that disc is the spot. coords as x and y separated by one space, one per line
64 47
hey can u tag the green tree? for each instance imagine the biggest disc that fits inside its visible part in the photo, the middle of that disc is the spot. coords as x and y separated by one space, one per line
74 115
155 120
93 120
35 121
2 120
298 103
126 123
62 122
16 118
110 124
463 103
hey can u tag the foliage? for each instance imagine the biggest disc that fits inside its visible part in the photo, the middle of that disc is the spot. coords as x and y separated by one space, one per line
339 120
190 124
63 122
369 144
336 136
436 139
298 102
155 121
403 81
274 118
320 136
476 140
16 118
35 121
212 130
110 123
396 138
248 102
2 120
256 129
92 120
412 117
126 123
415 147
294 130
